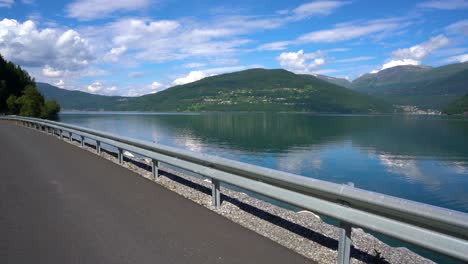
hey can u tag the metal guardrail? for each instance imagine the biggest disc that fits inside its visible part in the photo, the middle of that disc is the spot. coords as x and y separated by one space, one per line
438 229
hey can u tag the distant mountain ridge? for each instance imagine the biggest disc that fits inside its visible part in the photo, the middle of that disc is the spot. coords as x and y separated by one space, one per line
422 86
78 100
338 81
249 90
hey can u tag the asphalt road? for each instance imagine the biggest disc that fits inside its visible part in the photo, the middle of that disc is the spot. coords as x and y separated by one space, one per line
62 204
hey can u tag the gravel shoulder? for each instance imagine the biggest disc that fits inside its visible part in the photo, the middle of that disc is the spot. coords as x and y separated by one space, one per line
303 232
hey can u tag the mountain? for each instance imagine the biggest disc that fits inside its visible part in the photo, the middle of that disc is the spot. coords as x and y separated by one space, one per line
459 106
249 90
260 90
422 86
338 81
77 100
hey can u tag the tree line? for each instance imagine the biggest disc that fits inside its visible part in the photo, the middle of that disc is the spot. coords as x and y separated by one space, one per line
20 96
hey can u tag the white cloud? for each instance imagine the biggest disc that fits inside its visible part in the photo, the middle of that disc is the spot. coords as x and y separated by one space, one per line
136 74
149 89
6 3
111 90
349 31
316 8
114 54
193 65
344 31
300 62
458 58
94 87
25 44
280 45
60 83
400 62
167 40
95 9
98 87
51 72
415 54
356 59
191 77
460 27
118 51
156 85
445 4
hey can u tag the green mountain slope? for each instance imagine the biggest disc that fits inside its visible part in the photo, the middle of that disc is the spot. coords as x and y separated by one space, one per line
422 86
77 100
459 106
338 81
260 90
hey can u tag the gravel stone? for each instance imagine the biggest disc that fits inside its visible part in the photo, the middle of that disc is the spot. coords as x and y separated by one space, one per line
303 231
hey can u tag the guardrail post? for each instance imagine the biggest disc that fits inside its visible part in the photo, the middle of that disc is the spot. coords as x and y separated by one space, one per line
61 134
215 193
98 147
155 168
70 136
344 243
120 155
82 141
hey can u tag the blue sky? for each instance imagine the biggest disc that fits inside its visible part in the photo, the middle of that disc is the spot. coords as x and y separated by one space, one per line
134 47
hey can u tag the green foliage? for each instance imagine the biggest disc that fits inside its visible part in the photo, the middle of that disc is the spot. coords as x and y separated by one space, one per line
459 106
13 105
259 90
18 94
13 80
31 102
421 86
50 110
195 108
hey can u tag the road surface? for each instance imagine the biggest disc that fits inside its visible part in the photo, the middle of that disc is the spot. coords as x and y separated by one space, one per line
62 204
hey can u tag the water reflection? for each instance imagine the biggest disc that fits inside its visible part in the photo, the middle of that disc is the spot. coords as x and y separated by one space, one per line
419 158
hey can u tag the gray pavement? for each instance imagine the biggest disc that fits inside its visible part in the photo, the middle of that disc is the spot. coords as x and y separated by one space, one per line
62 204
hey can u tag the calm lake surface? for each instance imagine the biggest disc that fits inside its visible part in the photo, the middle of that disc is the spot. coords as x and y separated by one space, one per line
422 158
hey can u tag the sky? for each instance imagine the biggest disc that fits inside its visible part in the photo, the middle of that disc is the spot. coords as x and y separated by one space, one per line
136 47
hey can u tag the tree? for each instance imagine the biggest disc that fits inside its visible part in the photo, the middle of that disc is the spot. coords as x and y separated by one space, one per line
13 81
19 95
51 110
31 102
12 105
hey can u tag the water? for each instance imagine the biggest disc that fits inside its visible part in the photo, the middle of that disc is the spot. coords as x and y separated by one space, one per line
421 158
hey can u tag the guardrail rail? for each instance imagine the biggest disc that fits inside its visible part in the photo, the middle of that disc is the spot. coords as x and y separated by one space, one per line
434 228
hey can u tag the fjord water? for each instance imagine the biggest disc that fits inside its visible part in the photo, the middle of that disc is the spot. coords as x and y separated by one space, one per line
422 158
